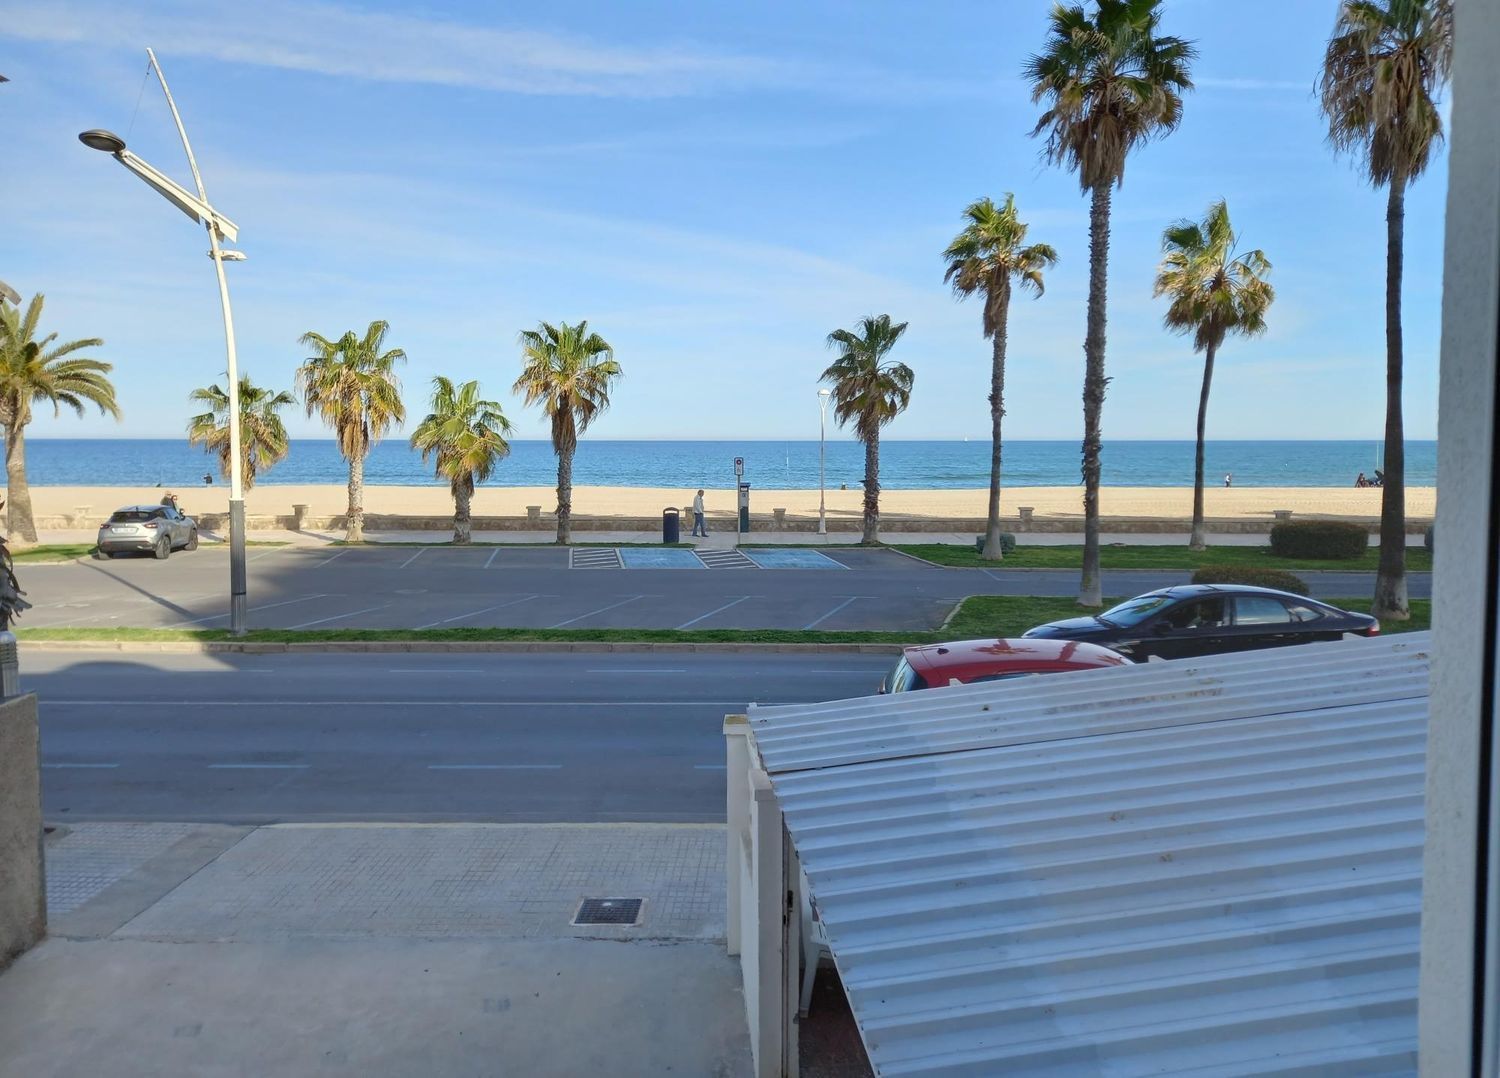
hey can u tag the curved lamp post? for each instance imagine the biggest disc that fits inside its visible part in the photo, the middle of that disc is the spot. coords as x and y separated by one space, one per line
220 228
823 395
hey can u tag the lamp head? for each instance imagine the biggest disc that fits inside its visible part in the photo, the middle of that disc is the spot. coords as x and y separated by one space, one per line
105 141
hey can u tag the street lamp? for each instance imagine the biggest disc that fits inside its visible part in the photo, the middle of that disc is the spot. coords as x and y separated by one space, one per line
823 395
219 228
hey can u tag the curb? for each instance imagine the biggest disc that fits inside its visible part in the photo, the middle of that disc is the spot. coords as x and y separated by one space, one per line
470 647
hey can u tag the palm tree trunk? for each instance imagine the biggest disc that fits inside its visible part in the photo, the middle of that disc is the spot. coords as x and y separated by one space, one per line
1390 576
872 490
18 519
1090 592
564 496
1196 541
992 550
354 517
462 494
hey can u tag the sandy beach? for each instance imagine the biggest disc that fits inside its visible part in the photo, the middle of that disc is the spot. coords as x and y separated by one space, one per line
1048 502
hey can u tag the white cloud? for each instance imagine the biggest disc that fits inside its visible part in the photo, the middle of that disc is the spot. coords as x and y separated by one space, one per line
332 40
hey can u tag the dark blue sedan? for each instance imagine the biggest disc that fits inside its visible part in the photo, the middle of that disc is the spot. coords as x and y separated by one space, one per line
1208 619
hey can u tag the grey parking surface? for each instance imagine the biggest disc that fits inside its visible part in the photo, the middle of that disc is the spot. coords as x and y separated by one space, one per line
431 587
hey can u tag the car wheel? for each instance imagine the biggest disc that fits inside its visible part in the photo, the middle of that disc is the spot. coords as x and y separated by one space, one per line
101 555
192 543
163 549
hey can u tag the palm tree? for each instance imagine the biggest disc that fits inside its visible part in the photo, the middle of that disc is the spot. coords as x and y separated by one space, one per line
263 439
1385 65
466 437
1111 83
570 372
869 392
1214 291
985 257
352 384
39 370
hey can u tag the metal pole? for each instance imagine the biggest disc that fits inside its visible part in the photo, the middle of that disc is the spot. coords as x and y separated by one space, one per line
822 484
237 601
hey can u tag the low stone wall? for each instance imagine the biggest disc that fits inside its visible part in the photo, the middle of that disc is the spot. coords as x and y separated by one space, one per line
23 891
891 523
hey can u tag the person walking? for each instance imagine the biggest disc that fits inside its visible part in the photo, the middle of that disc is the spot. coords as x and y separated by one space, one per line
1229 479
699 526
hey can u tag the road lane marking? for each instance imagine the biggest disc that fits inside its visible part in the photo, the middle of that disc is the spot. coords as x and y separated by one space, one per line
591 613
340 554
819 621
259 767
413 558
481 610
81 766
635 670
491 557
494 767
711 613
253 609
339 617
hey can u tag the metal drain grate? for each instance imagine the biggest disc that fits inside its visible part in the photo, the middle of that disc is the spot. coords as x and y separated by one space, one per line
608 911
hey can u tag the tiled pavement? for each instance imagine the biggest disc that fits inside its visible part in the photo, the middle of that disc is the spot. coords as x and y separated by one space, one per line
428 881
84 860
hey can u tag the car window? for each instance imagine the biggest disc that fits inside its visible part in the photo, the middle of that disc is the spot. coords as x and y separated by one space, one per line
129 516
1134 611
158 514
903 678
1260 610
1305 611
1196 614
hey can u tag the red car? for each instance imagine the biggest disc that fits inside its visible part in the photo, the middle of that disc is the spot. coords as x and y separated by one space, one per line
931 666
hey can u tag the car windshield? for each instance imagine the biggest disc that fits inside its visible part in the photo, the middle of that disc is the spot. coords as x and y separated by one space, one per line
1134 611
903 678
131 516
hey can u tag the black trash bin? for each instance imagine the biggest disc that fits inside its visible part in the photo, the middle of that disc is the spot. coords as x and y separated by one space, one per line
671 526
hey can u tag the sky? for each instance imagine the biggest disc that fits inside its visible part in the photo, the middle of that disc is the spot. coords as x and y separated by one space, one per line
714 187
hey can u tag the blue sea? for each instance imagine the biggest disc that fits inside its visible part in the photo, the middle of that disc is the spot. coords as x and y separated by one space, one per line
129 462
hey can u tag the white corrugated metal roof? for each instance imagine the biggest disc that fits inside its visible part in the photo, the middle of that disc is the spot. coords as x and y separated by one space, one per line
1209 866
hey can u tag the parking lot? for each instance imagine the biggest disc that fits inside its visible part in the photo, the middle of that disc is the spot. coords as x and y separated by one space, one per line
327 587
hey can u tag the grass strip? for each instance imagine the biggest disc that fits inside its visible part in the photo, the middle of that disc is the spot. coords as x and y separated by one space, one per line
962 556
976 616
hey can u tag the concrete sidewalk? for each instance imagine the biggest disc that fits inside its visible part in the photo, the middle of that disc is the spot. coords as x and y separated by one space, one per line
376 950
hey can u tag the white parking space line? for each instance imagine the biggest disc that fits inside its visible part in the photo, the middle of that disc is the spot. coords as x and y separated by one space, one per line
711 613
265 554
819 621
83 766
481 610
259 767
491 557
591 613
253 609
340 554
413 558
339 617
494 767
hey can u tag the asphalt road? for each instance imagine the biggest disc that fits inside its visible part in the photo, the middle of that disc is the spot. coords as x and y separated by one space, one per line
574 737
299 587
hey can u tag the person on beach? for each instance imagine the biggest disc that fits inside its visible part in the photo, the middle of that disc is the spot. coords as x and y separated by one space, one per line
699 527
1229 479
1361 481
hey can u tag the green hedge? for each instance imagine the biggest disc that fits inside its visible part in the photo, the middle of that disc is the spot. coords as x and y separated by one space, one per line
1336 539
1252 575
1007 544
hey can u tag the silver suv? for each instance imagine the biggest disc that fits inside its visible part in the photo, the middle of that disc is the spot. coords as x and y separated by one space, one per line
160 529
